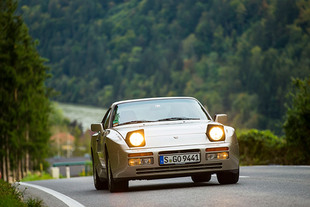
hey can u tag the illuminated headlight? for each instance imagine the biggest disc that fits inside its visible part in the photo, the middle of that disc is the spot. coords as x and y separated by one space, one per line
222 155
217 156
135 138
215 133
140 161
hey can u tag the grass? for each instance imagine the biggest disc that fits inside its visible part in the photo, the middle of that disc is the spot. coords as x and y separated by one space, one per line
37 176
11 197
34 202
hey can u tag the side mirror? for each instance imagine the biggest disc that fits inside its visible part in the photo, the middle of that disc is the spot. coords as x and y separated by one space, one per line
97 127
221 118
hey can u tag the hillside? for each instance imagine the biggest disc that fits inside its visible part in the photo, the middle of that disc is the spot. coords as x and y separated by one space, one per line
235 56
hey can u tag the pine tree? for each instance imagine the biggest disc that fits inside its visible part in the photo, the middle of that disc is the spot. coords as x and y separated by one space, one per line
24 102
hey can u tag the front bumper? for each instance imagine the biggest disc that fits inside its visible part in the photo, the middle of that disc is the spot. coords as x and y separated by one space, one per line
122 171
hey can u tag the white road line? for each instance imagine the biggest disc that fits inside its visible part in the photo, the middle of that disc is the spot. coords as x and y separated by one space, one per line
67 200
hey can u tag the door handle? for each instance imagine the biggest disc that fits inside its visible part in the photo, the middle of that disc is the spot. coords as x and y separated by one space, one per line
98 137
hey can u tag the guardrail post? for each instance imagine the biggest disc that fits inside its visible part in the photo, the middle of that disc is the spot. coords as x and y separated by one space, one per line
68 164
68 171
55 172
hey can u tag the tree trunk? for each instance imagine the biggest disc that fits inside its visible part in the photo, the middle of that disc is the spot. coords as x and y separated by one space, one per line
3 171
19 169
27 152
7 162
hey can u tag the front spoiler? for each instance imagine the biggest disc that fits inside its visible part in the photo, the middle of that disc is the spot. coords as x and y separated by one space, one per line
182 174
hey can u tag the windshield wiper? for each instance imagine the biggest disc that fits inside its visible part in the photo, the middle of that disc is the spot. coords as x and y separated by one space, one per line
177 118
135 122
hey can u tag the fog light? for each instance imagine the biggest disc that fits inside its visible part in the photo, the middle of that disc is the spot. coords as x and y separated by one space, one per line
134 162
217 156
147 161
140 161
211 156
222 155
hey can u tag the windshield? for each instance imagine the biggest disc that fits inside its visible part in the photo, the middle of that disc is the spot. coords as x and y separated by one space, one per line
158 110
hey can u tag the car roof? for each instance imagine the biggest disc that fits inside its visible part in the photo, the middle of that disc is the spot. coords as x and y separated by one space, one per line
150 99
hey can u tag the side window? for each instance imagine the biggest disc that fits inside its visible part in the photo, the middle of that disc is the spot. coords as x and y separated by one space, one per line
105 120
106 123
115 117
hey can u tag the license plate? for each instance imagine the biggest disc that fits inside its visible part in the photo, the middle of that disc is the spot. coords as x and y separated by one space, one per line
179 159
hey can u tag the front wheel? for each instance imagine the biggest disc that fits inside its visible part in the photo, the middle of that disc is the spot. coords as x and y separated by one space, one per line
228 177
98 182
115 185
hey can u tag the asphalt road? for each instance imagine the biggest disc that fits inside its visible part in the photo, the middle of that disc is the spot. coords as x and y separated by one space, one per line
257 186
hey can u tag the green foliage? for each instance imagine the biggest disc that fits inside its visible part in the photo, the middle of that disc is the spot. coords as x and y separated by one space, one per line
235 56
37 176
34 202
296 126
260 148
88 170
24 102
9 195
56 116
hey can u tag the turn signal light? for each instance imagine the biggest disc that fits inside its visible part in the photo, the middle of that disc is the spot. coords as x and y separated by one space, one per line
140 154
217 149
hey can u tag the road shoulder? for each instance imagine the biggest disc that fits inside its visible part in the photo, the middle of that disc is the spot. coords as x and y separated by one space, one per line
48 196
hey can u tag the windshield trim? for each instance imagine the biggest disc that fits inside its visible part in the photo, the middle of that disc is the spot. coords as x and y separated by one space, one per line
115 106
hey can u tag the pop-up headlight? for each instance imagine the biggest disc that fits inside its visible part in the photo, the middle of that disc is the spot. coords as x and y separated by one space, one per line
215 133
135 138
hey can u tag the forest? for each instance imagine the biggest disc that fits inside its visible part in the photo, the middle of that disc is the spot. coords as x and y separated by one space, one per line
236 56
247 58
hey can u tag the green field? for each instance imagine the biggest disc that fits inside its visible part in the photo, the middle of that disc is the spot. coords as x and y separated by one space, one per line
86 115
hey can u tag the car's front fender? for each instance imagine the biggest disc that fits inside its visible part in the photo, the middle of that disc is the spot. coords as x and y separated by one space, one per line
115 148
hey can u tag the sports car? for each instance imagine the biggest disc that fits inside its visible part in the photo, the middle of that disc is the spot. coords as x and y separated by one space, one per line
162 138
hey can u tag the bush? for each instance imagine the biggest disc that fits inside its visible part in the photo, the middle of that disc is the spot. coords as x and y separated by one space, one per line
9 196
296 126
261 148
34 202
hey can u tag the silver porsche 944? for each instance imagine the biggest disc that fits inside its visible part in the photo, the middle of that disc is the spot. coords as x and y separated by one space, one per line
161 138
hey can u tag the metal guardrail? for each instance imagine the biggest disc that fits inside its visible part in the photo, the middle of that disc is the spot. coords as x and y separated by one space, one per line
67 165
59 164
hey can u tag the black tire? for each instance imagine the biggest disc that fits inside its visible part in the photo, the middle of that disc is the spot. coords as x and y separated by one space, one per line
98 182
115 185
206 177
228 177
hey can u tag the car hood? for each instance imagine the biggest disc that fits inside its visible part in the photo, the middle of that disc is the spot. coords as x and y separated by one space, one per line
166 134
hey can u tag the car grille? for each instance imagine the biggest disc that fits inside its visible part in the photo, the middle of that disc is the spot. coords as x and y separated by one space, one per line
179 168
